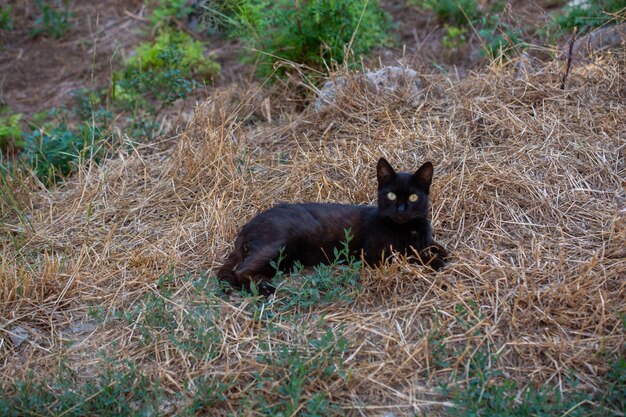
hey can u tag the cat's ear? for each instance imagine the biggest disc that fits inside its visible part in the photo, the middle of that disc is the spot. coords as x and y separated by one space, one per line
384 171
424 176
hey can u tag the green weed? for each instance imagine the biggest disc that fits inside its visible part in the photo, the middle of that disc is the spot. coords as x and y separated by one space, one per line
6 22
456 12
167 12
589 14
219 15
11 135
292 370
190 56
54 149
54 20
193 330
338 281
314 33
454 37
159 74
488 392
117 391
499 38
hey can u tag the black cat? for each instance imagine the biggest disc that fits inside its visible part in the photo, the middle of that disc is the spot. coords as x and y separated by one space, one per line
309 232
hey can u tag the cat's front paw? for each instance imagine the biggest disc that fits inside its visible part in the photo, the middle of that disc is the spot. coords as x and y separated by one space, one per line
434 256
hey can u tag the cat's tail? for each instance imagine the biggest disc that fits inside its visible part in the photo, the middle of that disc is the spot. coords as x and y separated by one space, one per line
227 271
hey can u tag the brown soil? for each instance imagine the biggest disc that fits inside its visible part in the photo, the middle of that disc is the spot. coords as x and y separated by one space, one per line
41 73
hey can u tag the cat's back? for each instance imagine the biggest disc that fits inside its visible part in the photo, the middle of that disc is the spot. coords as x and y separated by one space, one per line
307 218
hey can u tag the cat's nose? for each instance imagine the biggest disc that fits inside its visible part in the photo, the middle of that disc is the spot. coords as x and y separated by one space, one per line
401 207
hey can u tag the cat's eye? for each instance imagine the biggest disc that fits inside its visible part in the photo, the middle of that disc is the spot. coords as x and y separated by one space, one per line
391 196
413 198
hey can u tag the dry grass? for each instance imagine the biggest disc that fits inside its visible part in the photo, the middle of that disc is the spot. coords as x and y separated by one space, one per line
526 197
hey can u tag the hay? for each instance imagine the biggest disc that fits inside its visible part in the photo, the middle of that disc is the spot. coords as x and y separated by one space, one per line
525 196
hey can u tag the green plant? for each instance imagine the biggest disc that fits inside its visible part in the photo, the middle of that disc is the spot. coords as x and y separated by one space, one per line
219 15
54 19
488 392
159 74
53 150
314 33
193 331
188 55
10 131
454 37
167 12
498 37
292 370
337 281
589 14
118 390
457 12
6 22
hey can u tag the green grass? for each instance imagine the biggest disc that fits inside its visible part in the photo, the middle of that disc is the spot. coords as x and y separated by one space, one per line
291 370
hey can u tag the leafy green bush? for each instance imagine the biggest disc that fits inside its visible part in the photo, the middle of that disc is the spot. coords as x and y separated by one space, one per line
54 149
54 19
312 33
10 131
589 14
161 73
186 54
457 12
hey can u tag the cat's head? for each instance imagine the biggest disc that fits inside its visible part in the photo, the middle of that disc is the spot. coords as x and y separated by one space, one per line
402 196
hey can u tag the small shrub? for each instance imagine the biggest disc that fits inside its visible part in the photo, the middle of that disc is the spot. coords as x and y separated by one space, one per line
6 22
54 19
589 14
54 149
457 12
159 74
499 37
313 33
11 136
454 37
167 12
186 54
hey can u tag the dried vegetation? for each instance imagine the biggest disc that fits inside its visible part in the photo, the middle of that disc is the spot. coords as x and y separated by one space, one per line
528 197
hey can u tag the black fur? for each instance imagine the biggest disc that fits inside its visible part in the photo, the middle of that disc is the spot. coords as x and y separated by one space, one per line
310 232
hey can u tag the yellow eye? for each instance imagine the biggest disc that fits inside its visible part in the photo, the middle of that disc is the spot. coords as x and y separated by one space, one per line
391 196
413 198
